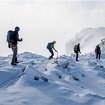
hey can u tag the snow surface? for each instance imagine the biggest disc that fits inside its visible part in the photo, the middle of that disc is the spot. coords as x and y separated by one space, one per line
69 82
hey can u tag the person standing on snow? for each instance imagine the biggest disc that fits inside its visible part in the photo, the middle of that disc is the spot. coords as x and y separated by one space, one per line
77 51
50 47
98 52
12 39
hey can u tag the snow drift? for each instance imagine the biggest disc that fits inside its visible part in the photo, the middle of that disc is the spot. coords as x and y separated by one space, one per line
69 82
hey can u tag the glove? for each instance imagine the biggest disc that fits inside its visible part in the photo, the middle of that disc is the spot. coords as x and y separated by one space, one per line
8 45
21 39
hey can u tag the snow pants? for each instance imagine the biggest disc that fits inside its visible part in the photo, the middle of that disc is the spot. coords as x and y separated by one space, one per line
98 55
14 49
52 53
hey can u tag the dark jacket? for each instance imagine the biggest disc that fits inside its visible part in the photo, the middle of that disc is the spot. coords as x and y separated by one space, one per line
15 38
97 49
78 48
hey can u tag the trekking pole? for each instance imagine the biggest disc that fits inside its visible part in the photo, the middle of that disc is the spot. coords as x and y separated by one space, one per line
56 61
57 58
57 55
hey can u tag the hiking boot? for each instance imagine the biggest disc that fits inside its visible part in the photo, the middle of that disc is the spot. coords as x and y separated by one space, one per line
50 58
17 62
13 64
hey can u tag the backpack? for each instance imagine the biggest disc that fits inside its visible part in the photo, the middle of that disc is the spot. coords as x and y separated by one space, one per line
10 36
49 46
97 49
75 48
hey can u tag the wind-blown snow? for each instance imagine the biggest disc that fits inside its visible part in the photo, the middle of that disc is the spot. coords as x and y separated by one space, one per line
88 39
69 82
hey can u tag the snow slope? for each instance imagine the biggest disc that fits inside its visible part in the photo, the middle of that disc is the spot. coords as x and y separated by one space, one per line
69 82
88 38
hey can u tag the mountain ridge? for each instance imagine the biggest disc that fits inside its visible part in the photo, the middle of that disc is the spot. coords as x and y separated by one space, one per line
88 38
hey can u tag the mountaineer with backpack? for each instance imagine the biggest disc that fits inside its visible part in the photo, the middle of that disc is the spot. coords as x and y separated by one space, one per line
12 39
50 47
98 52
77 51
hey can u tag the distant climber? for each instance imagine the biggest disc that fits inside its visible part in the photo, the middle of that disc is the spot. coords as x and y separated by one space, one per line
98 52
50 47
77 51
12 39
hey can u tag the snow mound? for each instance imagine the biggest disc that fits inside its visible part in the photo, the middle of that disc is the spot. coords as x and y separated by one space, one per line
63 81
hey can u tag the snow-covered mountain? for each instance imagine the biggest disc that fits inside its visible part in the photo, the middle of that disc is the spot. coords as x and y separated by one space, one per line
88 38
39 81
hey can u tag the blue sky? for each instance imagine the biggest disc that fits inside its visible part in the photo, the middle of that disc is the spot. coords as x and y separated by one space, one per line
42 21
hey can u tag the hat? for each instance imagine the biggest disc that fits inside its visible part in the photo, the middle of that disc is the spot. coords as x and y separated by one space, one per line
54 42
